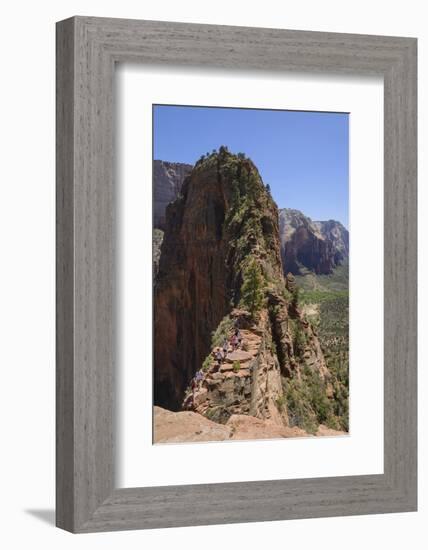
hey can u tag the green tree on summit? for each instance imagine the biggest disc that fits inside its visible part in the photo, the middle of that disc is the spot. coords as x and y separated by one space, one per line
252 295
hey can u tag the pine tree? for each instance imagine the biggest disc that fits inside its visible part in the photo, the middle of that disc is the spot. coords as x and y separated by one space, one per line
252 288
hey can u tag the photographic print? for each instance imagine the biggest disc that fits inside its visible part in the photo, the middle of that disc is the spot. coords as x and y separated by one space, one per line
250 274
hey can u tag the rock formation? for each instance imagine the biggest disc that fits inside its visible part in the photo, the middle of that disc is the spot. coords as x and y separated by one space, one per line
220 271
317 246
168 178
250 380
334 232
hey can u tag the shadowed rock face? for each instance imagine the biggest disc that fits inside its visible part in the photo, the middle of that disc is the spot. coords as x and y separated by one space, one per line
223 219
317 246
192 283
168 179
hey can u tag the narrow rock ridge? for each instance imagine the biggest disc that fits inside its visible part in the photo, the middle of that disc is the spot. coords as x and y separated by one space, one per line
220 271
248 381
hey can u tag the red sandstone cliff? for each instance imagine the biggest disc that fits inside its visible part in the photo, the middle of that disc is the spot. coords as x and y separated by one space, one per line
223 227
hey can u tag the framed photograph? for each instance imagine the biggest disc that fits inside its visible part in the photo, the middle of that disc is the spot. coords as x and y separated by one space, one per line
236 274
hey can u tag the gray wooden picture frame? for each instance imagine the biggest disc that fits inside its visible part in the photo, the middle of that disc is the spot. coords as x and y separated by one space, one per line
87 50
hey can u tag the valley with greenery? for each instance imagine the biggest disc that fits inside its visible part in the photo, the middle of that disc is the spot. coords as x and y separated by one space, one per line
324 300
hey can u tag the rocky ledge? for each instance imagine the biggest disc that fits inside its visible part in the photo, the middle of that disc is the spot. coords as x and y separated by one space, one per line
191 427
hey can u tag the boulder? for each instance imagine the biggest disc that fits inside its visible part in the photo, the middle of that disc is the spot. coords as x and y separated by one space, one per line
186 427
238 355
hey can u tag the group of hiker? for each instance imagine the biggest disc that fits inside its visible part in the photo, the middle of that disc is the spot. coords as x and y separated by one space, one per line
235 342
219 354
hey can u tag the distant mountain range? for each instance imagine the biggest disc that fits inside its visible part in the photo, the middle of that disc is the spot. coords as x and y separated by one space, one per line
317 246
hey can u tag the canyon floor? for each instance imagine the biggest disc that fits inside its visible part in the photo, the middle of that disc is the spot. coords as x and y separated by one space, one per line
191 427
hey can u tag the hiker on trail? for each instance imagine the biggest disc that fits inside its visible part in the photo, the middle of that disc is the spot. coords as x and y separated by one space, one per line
238 337
225 348
189 398
234 342
199 376
218 359
196 384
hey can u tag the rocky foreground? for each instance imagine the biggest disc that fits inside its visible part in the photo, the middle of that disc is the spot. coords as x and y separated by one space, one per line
191 427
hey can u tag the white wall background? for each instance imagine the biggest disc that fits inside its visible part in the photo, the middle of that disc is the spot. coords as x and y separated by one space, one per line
27 271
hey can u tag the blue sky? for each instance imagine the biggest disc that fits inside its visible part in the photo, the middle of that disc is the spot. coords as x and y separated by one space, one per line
304 156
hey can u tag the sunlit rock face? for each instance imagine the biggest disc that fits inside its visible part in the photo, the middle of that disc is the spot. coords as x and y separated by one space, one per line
318 246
